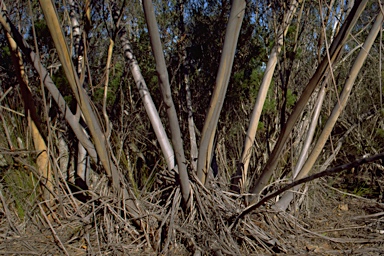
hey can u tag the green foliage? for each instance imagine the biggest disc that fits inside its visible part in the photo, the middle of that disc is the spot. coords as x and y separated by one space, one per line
115 80
43 36
60 80
362 191
6 52
22 187
260 126
291 98
255 81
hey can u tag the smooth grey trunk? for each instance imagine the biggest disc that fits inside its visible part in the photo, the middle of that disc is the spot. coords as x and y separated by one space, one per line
209 130
82 156
166 94
147 101
334 51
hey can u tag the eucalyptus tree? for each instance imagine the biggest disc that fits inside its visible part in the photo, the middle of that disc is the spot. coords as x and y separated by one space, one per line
255 47
343 98
334 21
97 148
334 52
161 69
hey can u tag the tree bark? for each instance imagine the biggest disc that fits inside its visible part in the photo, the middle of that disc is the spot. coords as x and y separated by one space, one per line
334 51
133 209
185 81
48 83
285 200
267 79
341 103
162 74
209 130
147 101
81 97
82 167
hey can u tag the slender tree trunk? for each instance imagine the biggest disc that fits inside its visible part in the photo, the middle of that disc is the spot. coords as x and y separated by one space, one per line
185 80
81 97
147 101
48 83
341 103
71 119
285 200
42 161
162 74
209 130
107 68
82 167
257 109
334 51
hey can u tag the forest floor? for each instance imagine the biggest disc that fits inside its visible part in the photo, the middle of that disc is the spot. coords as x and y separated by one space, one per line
334 222
329 221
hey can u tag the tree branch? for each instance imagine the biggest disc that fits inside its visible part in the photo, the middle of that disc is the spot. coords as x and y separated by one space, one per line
327 172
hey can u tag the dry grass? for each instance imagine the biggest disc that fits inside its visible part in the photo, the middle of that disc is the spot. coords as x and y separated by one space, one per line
327 222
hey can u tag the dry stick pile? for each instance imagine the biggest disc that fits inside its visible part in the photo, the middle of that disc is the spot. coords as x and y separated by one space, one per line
215 225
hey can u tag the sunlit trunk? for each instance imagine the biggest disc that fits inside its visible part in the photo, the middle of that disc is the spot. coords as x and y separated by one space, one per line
209 130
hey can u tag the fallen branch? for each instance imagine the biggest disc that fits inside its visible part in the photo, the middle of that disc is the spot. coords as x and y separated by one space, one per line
327 172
